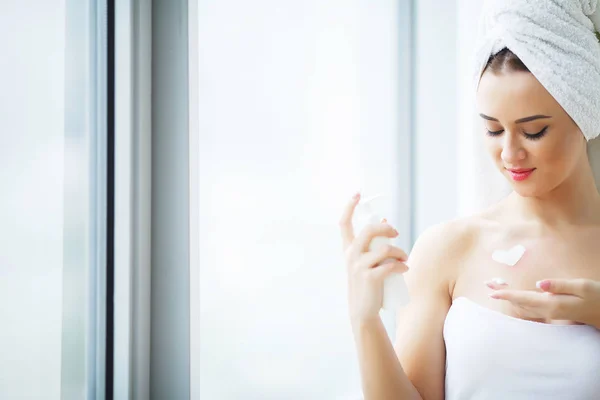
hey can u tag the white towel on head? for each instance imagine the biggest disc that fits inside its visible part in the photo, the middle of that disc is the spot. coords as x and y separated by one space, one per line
556 40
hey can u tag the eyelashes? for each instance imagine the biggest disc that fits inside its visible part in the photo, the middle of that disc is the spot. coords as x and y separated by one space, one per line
531 136
536 136
494 133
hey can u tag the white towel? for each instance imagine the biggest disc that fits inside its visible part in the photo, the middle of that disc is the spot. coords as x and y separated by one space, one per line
556 40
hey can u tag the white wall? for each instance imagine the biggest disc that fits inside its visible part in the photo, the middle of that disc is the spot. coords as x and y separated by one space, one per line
298 108
31 204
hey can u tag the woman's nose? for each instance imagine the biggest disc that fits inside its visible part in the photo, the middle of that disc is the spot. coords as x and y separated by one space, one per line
512 150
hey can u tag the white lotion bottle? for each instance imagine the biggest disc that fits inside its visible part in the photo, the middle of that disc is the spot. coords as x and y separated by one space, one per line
395 291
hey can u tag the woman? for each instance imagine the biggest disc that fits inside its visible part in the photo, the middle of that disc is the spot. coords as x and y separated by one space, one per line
534 337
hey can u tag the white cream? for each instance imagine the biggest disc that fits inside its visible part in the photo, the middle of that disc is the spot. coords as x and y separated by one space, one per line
499 281
509 257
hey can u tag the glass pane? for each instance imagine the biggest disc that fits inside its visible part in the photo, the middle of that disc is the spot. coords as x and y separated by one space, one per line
298 108
48 208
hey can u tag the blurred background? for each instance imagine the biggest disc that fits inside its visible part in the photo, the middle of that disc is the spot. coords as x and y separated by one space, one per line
173 174
301 104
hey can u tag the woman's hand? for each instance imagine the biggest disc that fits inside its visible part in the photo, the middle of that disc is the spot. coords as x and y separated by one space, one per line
366 271
563 299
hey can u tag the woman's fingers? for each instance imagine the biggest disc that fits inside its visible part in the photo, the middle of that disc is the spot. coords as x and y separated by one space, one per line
346 222
361 243
543 304
578 287
383 271
363 240
379 256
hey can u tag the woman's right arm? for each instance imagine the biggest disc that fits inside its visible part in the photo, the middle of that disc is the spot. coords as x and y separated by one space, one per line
419 341
413 368
382 375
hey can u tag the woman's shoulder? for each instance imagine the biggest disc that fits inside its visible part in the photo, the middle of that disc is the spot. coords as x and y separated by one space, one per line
453 235
449 242
439 254
435 259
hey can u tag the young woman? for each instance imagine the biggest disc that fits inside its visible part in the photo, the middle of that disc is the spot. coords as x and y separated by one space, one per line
537 335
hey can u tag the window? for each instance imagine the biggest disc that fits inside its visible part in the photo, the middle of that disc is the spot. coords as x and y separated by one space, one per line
52 208
298 104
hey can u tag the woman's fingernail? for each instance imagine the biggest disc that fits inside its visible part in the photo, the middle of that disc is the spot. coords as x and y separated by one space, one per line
356 196
543 285
494 295
383 220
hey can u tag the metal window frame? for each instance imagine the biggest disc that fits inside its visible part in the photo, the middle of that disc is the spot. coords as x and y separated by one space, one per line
170 327
130 369
406 118
151 194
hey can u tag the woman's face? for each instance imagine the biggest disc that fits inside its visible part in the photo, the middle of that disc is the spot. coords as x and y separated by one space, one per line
531 139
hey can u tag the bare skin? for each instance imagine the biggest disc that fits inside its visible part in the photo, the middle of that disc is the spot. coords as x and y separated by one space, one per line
554 213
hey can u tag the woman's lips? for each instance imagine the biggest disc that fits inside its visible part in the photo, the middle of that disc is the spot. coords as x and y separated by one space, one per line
520 174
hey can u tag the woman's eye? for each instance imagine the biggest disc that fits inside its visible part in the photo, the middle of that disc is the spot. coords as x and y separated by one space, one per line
494 133
535 136
532 136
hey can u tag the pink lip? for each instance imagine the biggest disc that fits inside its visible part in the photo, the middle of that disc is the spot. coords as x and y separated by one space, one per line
520 174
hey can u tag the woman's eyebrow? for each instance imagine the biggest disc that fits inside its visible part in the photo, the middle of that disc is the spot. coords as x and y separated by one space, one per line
520 120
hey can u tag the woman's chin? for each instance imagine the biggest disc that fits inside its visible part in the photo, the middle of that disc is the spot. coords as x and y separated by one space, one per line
526 192
526 188
529 189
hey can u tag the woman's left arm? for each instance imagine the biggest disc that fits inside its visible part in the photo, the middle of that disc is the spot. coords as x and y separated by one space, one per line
563 299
